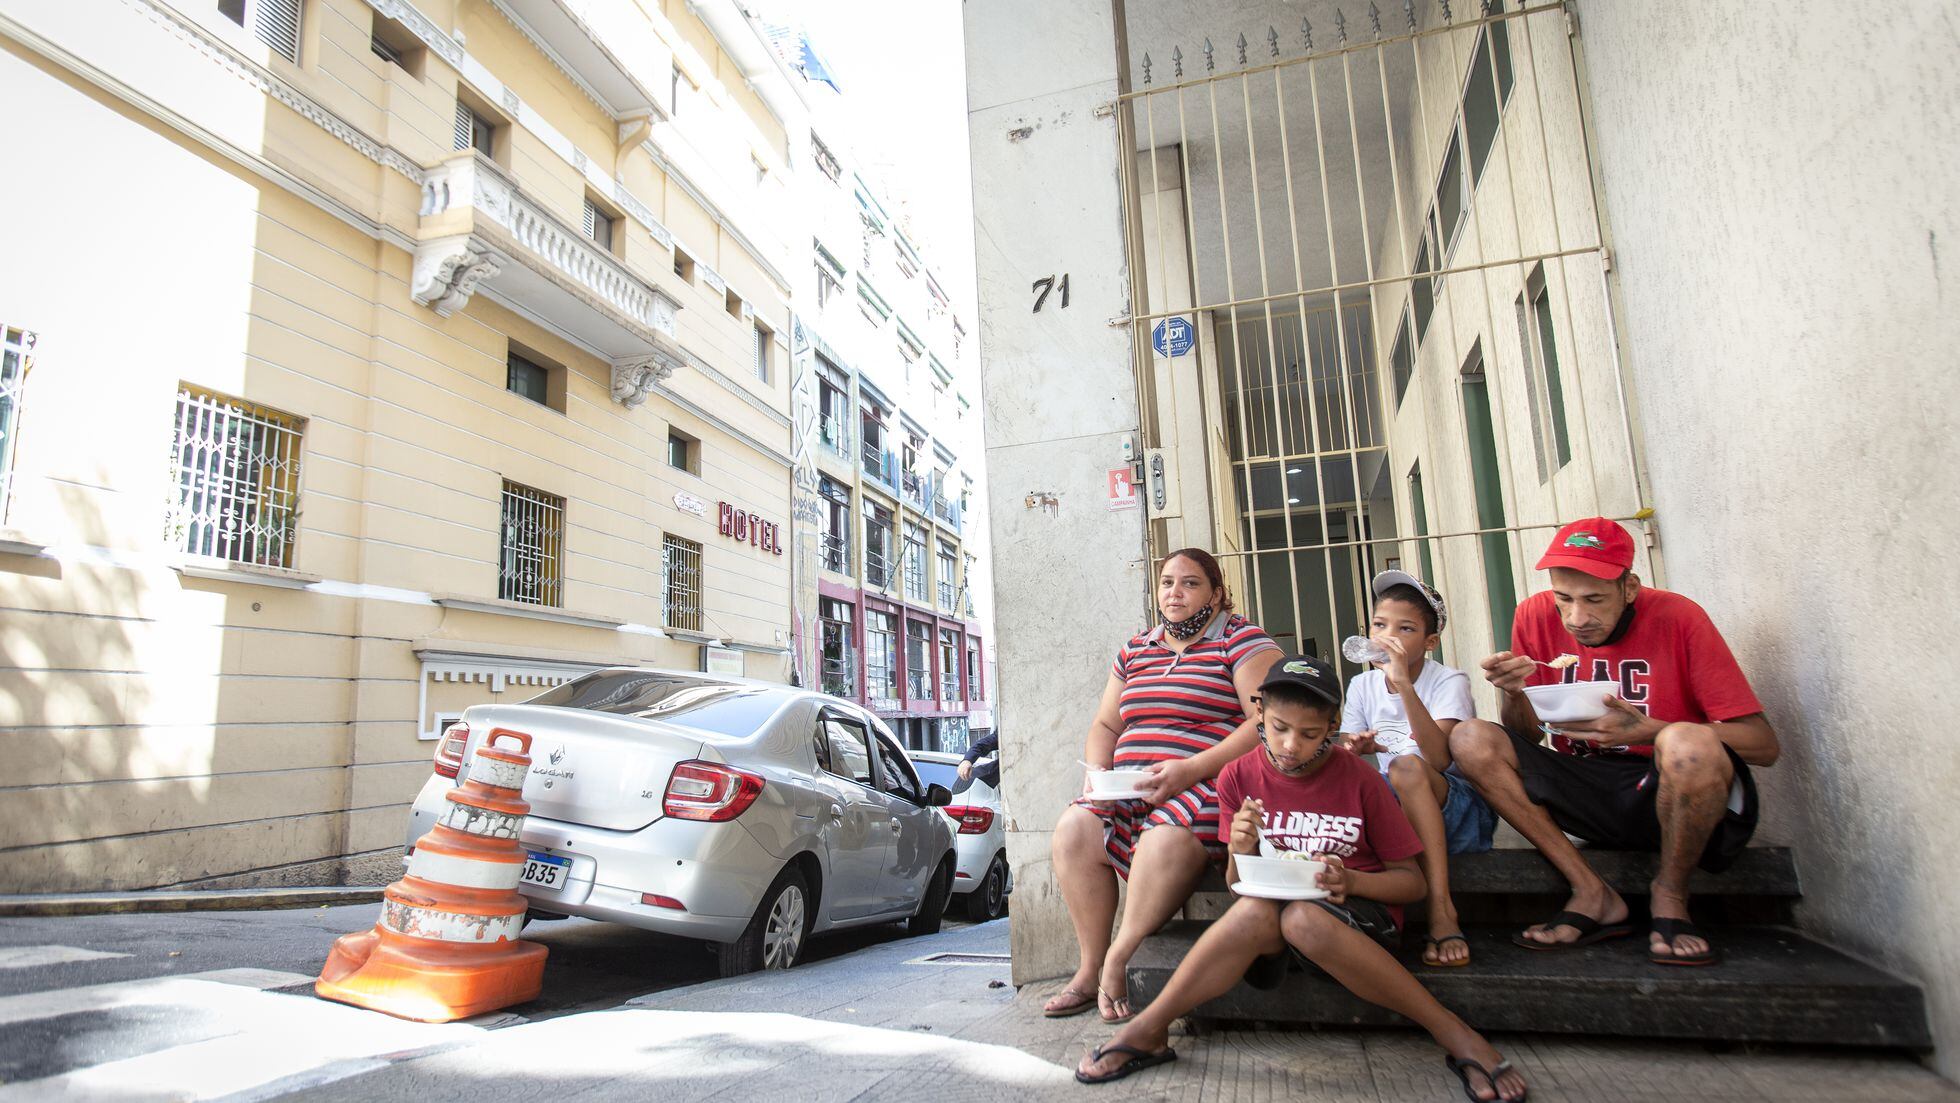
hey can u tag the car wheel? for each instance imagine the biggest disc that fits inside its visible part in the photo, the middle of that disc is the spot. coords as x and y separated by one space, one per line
774 937
932 909
989 899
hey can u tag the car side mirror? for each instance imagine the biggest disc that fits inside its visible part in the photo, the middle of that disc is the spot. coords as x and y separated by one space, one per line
938 796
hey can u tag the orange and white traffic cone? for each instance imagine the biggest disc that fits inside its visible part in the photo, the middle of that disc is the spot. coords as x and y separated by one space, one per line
446 946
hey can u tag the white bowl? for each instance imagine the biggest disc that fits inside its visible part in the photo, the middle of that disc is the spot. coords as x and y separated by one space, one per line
1117 781
1286 874
1571 702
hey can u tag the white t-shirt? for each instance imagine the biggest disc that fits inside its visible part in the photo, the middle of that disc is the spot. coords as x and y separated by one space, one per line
1444 691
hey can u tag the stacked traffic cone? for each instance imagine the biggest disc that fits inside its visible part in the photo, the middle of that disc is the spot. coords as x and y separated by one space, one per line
446 946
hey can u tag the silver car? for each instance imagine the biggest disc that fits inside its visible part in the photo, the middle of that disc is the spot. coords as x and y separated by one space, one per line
747 814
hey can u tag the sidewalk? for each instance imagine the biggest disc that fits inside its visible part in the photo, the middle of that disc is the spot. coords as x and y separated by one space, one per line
883 1024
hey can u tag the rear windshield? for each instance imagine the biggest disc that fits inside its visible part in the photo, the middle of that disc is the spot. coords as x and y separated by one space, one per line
691 702
942 773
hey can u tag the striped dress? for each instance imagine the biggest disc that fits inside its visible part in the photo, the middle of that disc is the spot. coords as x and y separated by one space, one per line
1174 706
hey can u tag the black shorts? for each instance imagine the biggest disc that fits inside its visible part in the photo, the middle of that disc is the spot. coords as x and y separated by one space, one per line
1611 799
1367 916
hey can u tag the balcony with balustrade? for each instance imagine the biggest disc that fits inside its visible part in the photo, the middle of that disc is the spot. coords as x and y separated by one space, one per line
480 231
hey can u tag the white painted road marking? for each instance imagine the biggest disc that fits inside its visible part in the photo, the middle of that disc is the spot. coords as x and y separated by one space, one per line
28 957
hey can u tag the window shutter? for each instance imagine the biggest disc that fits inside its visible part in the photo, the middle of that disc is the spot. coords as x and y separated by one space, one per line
591 220
463 126
276 22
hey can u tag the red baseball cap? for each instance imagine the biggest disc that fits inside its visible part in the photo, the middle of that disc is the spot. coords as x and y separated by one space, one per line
1595 545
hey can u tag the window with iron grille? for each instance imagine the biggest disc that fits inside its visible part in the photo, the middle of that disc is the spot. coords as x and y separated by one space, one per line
836 525
839 648
973 670
274 22
880 656
948 571
949 665
877 462
237 470
16 357
681 559
877 545
918 660
532 566
915 565
825 160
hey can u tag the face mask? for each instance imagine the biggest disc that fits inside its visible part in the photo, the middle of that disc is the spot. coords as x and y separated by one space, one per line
1185 629
1302 767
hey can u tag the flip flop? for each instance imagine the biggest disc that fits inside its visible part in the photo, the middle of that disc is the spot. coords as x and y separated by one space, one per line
1436 945
1590 931
1670 929
1139 1060
1083 1002
1490 1075
1113 1001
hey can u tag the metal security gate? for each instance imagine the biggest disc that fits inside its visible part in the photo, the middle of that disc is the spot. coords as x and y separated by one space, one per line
1371 319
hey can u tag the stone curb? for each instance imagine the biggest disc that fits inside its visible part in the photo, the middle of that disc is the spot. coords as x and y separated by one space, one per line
120 903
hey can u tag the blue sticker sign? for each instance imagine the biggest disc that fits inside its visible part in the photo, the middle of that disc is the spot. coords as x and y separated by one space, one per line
1173 337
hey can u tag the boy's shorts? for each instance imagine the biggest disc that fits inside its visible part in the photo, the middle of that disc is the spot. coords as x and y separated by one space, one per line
1612 800
1468 820
1367 916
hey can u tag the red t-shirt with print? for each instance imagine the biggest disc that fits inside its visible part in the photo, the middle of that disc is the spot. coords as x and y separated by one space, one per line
1344 808
1670 663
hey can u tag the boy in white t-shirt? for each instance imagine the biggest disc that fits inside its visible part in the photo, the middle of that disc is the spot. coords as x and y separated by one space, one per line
1403 711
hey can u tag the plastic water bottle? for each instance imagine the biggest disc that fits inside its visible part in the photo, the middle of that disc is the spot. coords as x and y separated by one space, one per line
1361 649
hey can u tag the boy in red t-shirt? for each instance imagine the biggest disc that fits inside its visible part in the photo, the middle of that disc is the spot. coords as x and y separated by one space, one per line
1301 790
1666 769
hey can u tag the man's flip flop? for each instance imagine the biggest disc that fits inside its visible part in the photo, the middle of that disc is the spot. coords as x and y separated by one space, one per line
1463 1069
1139 1060
1083 1002
1590 931
1670 929
1435 945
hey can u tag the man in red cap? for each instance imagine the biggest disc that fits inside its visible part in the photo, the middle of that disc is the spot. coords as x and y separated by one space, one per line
1666 769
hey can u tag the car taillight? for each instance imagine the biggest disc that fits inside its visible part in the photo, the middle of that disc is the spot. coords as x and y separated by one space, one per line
709 791
449 749
973 819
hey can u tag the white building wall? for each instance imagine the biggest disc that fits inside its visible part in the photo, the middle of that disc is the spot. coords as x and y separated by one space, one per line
1781 185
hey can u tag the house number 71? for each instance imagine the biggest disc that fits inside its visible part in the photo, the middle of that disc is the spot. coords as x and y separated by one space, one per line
1047 284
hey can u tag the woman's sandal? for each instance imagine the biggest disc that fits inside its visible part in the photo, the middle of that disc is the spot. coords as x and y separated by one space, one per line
1670 929
1115 1002
1083 1002
1140 1059
1463 1069
1433 947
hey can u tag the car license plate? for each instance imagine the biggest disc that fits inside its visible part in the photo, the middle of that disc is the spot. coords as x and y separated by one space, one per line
545 871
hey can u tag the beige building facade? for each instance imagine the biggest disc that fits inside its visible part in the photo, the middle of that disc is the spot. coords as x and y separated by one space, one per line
365 361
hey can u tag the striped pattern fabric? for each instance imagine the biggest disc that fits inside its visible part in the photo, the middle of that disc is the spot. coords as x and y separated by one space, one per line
1174 706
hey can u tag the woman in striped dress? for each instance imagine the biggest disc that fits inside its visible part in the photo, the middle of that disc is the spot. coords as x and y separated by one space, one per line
1177 703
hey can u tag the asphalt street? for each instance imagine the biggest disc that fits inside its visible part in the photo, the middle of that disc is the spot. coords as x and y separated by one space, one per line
96 1006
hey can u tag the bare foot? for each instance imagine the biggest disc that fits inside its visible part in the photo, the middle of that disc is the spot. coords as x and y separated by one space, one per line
1143 1038
1598 901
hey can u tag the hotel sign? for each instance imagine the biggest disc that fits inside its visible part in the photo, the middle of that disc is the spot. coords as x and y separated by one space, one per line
745 526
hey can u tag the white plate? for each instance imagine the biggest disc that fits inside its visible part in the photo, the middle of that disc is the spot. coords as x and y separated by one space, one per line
1264 893
1126 794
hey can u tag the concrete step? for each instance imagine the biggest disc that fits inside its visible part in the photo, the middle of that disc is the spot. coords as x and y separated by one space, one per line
1760 871
1773 985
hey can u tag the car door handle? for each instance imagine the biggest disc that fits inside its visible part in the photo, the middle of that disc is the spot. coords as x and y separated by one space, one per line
897 827
837 812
